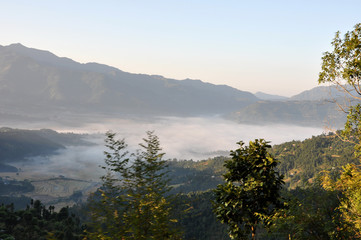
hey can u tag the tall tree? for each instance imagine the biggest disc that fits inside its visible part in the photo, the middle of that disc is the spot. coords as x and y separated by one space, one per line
134 202
251 193
110 199
350 199
342 67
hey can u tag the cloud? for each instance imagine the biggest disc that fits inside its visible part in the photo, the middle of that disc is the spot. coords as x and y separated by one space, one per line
181 138
186 138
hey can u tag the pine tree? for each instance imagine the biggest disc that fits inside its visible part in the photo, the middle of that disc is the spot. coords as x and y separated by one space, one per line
134 202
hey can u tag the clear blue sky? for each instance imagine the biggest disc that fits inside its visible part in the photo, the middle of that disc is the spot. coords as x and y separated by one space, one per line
270 46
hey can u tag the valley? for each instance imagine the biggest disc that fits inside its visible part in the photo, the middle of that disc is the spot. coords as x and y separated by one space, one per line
53 130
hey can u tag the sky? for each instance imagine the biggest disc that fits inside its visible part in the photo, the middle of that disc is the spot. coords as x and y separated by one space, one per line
269 46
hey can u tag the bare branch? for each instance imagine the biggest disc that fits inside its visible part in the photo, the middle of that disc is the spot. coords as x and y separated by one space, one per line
348 91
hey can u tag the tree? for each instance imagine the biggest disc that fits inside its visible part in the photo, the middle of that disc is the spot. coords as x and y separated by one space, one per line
348 184
342 67
133 199
36 222
312 213
251 193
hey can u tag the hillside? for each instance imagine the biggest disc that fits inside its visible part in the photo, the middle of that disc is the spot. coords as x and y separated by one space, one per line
299 161
271 97
304 113
39 83
38 86
193 181
17 145
319 93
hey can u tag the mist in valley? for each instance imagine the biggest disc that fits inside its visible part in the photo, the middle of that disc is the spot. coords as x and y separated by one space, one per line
193 138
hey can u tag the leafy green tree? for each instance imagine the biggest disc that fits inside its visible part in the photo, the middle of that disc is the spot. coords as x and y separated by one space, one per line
311 213
196 218
251 194
348 184
342 67
133 200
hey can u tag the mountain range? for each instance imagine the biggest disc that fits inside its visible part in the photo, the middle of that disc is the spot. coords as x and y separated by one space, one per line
36 84
41 79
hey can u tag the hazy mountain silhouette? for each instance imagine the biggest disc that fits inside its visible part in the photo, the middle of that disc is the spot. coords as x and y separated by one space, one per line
33 80
272 97
319 93
37 85
305 113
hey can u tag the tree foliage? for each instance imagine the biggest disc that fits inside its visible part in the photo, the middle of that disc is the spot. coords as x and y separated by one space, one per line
37 222
251 193
312 213
348 184
133 200
342 67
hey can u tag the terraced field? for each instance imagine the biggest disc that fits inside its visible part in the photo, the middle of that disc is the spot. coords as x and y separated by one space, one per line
58 191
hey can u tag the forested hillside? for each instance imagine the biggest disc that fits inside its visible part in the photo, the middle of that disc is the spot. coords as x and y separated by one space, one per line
18 145
300 162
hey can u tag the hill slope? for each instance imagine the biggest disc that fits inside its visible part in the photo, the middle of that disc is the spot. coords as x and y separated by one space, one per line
304 113
38 81
19 144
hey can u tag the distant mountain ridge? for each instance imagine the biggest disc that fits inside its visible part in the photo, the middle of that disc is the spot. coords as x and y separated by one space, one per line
266 96
44 81
304 113
38 85
319 93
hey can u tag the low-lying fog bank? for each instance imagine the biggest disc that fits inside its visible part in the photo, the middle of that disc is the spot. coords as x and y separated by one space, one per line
200 138
181 138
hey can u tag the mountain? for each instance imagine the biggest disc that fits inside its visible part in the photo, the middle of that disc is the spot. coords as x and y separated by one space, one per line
36 85
40 83
319 93
266 96
304 113
315 107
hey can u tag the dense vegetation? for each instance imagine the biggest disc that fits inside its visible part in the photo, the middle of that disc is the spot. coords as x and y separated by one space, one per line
37 222
8 186
16 145
300 161
133 202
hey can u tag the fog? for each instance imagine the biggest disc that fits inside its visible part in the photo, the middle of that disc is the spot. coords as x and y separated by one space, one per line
199 138
182 138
